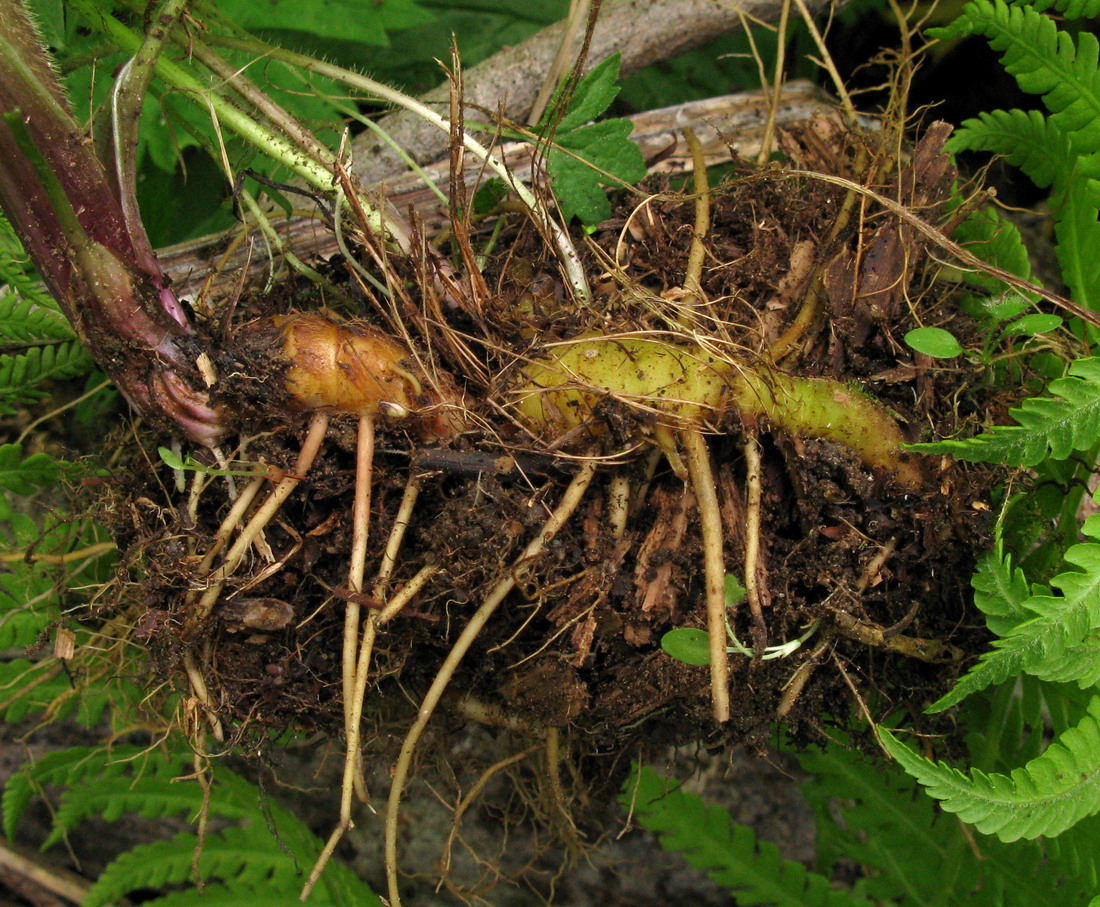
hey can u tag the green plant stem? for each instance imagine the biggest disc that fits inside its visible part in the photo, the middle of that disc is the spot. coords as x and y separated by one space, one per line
318 173
97 263
126 104
570 260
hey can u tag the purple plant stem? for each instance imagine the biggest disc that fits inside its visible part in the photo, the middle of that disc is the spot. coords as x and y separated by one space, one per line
101 269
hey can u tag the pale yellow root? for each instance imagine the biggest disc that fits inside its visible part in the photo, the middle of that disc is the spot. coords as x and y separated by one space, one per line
318 426
753 506
793 688
693 274
471 796
618 505
201 762
353 774
397 535
357 565
360 533
572 498
232 521
714 568
202 695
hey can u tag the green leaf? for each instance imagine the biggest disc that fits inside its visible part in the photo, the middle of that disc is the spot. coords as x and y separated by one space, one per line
1046 796
1053 426
750 869
170 457
1044 60
23 475
687 644
865 811
577 176
1056 625
1000 591
586 156
1030 325
346 20
934 342
735 592
489 194
593 95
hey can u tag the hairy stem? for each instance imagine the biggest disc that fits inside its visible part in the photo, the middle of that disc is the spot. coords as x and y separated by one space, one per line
83 235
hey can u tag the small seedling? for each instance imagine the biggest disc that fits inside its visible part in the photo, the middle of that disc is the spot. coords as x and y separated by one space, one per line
174 461
934 342
690 645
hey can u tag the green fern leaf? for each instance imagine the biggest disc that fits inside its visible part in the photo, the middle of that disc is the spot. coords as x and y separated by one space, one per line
29 321
22 475
1070 9
1075 854
1043 60
95 765
238 853
22 372
1039 645
148 796
1000 591
247 858
710 840
863 813
995 239
233 894
1048 156
1079 663
1045 797
1028 140
1049 426
1077 230
36 341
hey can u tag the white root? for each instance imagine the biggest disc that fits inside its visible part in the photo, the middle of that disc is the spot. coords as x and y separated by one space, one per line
572 498
318 426
714 564
364 457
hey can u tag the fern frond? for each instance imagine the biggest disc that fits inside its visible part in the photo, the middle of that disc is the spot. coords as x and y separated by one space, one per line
1027 138
22 475
29 321
731 853
875 808
1045 797
1077 230
20 373
1000 591
233 894
865 812
1049 158
1070 9
1076 853
36 341
1053 426
1044 61
247 855
78 764
1039 645
996 240
246 858
149 796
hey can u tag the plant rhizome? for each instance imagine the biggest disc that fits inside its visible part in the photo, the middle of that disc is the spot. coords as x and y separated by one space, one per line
733 397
